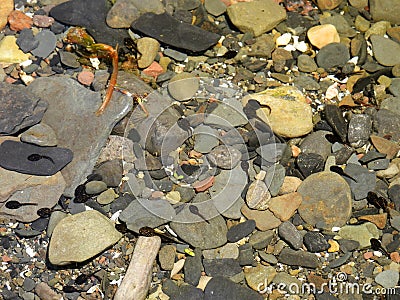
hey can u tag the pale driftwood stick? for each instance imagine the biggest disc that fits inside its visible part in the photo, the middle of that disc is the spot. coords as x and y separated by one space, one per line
136 282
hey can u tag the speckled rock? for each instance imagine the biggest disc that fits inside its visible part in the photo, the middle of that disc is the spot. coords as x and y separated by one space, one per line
331 206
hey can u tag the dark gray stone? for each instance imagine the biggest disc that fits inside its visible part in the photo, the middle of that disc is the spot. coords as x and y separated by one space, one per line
298 258
90 14
348 245
394 195
333 55
371 156
29 284
246 255
289 233
359 130
195 231
307 83
193 268
260 239
271 152
310 163
19 108
110 172
316 142
69 59
47 43
335 119
366 180
378 164
340 261
220 288
26 40
226 267
174 33
315 242
241 230
387 122
34 160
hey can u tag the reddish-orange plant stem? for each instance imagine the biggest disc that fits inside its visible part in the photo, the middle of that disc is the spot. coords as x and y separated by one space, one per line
113 53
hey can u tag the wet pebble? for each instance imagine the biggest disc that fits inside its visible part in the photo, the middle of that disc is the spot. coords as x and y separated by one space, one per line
225 157
332 55
26 40
241 230
298 258
222 288
226 267
179 36
47 43
289 233
193 268
31 159
315 242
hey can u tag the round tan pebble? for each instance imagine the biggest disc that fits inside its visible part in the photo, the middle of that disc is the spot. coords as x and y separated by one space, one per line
86 77
322 35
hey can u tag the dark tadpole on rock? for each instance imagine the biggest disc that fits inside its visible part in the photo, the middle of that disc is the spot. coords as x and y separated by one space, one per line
195 210
13 204
36 157
377 246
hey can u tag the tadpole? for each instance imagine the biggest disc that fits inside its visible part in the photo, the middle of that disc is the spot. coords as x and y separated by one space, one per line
36 157
13 204
195 210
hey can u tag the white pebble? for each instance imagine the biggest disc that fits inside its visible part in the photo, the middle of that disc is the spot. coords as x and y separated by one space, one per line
284 39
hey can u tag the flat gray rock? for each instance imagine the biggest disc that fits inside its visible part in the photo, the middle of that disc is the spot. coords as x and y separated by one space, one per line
71 113
386 51
143 212
333 55
19 108
298 258
198 233
226 191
